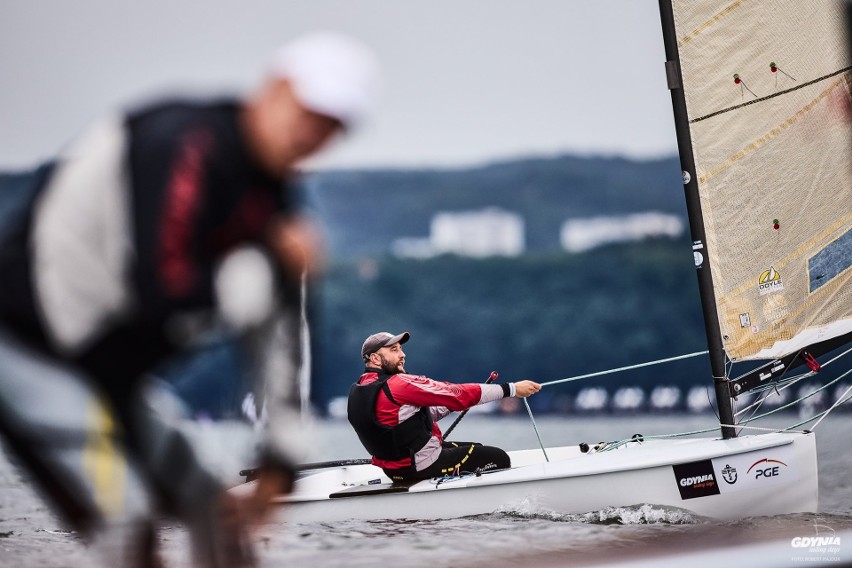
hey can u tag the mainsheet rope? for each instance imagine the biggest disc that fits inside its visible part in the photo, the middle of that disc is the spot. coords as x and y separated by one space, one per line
598 374
628 368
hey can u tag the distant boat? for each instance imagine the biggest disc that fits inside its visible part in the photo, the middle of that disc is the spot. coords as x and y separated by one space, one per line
665 399
628 399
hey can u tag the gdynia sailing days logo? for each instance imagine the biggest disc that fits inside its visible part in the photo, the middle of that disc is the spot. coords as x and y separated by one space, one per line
811 541
825 544
770 281
695 479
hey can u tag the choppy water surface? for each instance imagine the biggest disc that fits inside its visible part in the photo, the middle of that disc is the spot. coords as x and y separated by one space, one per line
30 535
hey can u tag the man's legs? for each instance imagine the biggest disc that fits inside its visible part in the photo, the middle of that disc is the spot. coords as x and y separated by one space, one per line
468 457
109 467
458 458
65 434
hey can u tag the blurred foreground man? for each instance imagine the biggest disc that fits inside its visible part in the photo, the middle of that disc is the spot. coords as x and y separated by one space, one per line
153 224
395 415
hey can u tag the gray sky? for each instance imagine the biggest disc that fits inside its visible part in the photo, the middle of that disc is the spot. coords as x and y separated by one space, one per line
465 81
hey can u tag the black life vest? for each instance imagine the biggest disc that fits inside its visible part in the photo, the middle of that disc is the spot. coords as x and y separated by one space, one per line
389 443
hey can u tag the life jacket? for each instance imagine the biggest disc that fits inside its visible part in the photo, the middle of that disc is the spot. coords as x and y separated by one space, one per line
389 443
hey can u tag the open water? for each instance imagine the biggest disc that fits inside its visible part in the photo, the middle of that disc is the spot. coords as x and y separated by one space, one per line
30 535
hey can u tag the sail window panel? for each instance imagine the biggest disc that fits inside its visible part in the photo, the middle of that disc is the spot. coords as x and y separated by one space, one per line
831 261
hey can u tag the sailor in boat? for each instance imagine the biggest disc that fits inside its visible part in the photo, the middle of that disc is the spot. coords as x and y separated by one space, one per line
395 415
112 264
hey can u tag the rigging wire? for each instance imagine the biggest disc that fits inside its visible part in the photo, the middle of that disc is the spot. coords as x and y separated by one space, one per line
833 406
620 443
710 402
757 404
743 423
795 379
800 399
790 382
822 414
729 366
728 370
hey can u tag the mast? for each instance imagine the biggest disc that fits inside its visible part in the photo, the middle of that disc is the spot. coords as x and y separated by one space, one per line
696 222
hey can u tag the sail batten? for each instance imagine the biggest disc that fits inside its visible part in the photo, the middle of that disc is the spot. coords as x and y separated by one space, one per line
768 110
773 95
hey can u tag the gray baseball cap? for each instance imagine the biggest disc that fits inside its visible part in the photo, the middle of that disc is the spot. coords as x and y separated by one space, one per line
381 339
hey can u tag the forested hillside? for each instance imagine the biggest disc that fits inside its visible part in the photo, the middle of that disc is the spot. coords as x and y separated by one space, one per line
365 210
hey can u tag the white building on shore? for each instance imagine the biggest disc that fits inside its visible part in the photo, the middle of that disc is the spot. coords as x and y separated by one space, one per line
578 235
480 233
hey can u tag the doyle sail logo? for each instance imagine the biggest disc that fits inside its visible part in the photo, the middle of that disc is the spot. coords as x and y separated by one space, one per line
695 479
764 468
770 281
729 474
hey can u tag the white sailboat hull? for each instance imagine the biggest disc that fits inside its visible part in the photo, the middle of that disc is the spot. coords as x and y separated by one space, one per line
767 474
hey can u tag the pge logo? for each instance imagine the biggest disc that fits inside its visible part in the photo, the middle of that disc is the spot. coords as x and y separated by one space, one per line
766 470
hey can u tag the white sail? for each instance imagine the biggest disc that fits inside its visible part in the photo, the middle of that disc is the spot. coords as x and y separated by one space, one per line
767 88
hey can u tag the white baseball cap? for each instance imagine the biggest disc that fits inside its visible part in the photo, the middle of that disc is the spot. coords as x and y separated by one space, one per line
330 74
